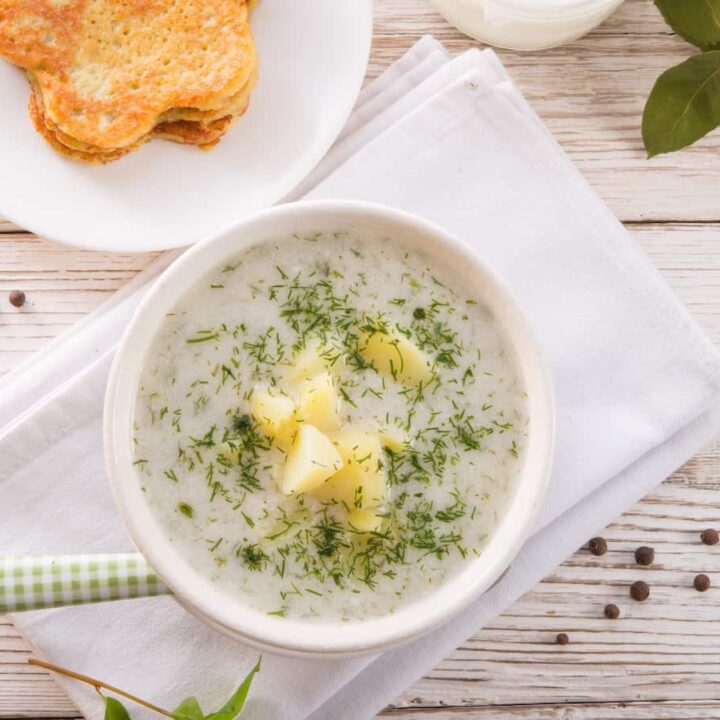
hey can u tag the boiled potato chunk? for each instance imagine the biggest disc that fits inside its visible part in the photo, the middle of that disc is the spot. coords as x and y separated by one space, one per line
318 402
311 461
397 357
361 483
364 520
309 362
393 440
272 412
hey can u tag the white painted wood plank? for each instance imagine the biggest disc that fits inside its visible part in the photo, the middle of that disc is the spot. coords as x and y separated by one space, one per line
591 95
674 710
662 659
664 652
26 691
62 284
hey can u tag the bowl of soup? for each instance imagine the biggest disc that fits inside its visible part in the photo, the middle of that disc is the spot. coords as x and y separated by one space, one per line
329 428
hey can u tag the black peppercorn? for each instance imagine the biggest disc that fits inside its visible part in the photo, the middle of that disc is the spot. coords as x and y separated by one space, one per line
17 298
597 546
419 313
612 612
562 639
701 583
644 555
710 537
640 591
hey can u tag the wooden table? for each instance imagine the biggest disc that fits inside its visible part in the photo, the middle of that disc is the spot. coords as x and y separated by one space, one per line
662 658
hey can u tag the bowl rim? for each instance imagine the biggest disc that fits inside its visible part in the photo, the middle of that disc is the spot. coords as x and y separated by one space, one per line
301 637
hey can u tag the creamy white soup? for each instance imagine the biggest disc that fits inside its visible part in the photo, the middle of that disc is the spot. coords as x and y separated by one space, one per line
329 426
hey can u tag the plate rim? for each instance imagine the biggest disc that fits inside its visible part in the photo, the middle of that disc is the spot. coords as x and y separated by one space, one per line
60 235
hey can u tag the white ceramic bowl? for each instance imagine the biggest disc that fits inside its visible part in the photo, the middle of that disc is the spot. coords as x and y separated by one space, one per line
231 615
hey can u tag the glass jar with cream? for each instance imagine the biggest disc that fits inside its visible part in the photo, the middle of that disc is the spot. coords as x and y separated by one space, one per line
526 24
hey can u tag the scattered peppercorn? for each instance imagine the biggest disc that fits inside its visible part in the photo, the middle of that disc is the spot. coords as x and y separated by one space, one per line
644 555
710 537
640 591
419 313
562 639
597 546
701 583
612 612
17 298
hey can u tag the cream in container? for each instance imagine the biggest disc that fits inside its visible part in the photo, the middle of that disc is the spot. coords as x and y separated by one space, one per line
526 24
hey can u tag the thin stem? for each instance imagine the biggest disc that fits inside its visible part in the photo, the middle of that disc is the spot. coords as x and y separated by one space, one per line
97 684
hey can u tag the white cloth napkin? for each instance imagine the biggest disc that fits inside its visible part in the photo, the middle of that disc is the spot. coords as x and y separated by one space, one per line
637 385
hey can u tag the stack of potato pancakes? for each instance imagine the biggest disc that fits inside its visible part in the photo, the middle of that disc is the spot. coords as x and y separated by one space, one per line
107 75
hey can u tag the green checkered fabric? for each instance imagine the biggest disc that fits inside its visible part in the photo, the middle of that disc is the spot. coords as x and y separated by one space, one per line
31 583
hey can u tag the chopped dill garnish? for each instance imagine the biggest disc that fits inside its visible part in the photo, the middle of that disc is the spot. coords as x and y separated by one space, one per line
327 536
454 511
186 510
241 423
253 557
447 423
203 336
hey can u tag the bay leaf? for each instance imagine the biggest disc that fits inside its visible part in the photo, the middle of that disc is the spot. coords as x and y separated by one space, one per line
684 104
231 709
698 21
188 709
115 710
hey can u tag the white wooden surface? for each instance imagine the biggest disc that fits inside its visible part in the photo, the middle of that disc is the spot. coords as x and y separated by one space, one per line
661 660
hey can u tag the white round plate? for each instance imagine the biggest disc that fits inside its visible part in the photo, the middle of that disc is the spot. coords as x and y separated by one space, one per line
313 57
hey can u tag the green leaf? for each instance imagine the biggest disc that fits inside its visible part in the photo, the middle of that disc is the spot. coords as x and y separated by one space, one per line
231 709
188 709
698 21
115 710
684 104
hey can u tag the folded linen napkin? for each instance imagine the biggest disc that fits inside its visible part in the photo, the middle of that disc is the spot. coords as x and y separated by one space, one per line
638 389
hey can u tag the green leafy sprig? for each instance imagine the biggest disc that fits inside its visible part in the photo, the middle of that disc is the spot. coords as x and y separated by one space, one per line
684 104
188 709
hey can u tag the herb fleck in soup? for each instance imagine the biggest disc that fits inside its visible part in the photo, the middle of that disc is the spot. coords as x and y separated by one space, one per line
329 426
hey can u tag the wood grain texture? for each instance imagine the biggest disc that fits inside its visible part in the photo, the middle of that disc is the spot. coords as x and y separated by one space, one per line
26 691
62 284
690 710
661 659
591 94
664 650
